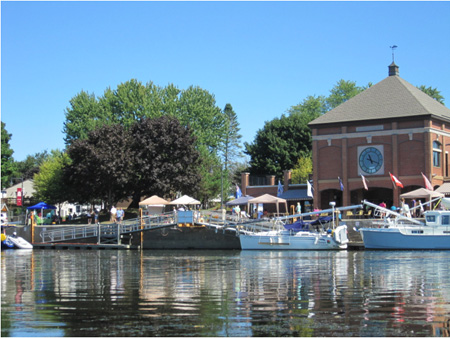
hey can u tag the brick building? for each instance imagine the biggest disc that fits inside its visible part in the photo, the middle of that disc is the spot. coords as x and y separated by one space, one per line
392 127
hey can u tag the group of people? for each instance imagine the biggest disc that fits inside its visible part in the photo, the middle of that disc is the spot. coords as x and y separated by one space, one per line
117 215
416 210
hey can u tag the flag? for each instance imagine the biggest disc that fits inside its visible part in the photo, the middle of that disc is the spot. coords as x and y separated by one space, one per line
427 183
309 189
280 189
238 192
395 181
341 184
364 182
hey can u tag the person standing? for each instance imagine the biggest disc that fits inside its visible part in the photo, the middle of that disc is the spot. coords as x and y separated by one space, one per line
113 214
95 216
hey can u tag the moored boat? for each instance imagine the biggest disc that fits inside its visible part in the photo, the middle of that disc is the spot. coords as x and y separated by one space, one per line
314 235
14 242
405 233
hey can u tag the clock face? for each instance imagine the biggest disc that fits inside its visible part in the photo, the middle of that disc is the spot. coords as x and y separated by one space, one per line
370 160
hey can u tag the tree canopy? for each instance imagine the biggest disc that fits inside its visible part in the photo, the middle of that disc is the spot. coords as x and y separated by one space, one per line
153 156
8 165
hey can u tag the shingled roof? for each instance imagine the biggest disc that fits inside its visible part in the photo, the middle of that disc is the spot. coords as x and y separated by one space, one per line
392 97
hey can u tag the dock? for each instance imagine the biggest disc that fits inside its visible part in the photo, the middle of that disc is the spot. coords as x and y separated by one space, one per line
83 246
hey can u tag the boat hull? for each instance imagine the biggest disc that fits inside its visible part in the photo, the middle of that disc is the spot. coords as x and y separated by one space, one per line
395 239
287 242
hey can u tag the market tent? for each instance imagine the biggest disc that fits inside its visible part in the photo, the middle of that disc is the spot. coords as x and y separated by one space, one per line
185 200
41 205
445 189
240 201
266 199
154 200
422 193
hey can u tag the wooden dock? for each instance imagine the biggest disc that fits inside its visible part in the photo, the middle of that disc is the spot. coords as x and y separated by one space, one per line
83 246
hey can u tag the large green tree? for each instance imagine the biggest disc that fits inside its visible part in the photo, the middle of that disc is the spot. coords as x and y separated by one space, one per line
50 183
279 145
8 164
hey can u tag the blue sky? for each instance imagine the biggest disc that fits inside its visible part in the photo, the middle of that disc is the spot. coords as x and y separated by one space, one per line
261 57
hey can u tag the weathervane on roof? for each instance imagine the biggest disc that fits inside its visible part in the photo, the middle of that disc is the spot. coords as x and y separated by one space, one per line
393 48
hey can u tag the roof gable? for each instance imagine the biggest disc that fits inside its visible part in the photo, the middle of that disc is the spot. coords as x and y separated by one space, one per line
392 97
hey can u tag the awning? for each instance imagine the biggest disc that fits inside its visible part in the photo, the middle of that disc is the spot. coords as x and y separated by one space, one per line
41 205
266 198
422 193
240 201
296 195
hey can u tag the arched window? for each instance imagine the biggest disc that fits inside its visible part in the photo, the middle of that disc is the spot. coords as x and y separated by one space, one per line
437 151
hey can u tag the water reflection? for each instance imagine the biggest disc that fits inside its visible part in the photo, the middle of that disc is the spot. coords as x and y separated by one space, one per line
225 293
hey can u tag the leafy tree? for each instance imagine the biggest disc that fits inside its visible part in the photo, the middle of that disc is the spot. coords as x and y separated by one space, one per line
83 116
341 92
197 109
49 182
302 170
100 167
279 145
231 142
164 158
30 166
8 165
433 92
311 108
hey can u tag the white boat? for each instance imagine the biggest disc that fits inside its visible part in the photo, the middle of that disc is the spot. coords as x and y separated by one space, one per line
20 243
404 233
287 238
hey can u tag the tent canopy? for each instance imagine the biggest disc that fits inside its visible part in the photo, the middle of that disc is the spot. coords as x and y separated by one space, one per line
41 205
154 200
444 188
422 193
240 200
266 198
185 200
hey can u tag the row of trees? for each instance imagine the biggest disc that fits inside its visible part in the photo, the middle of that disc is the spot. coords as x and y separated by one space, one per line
141 139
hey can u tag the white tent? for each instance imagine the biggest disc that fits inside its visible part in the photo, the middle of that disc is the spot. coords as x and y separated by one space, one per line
422 193
265 199
185 200
154 200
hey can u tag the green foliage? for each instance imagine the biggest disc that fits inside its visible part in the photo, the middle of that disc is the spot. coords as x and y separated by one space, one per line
433 92
195 108
49 182
302 170
341 92
279 145
8 165
30 166
231 145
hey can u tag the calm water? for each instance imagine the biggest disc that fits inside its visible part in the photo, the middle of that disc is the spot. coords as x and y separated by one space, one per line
225 293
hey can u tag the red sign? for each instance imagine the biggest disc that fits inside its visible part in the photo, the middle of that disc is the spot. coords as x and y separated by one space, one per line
19 197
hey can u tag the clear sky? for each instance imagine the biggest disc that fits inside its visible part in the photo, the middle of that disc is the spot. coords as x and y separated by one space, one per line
261 57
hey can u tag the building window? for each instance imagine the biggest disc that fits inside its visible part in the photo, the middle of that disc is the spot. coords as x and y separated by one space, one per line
437 154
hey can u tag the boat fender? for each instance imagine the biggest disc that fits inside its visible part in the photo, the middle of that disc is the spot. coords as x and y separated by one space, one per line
3 237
